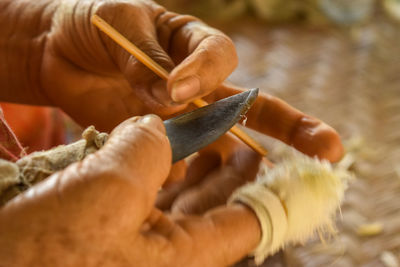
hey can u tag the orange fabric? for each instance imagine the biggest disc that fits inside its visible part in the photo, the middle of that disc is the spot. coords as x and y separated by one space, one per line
37 128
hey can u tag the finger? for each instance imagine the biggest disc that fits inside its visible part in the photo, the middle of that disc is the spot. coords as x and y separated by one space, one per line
276 118
206 56
215 190
208 161
197 169
113 189
134 146
212 192
124 166
230 233
176 174
139 76
142 32
221 237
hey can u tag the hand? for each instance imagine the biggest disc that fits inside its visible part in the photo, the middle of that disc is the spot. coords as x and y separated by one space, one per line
209 178
97 82
101 212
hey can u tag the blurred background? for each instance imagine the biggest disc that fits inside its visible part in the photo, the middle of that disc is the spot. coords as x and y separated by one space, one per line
338 60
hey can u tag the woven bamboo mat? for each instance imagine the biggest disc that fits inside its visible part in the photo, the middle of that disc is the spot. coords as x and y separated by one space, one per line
349 78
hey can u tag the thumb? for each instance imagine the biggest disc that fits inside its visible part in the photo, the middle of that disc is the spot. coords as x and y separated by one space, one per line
136 144
103 199
114 188
122 178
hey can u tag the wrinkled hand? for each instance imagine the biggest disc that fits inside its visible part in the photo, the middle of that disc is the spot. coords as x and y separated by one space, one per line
101 212
97 82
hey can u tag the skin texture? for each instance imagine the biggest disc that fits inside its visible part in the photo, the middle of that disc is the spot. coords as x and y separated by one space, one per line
106 210
72 214
97 83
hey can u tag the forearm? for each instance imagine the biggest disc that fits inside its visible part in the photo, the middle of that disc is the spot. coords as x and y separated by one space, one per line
23 33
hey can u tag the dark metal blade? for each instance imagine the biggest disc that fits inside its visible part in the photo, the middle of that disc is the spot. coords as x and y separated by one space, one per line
190 132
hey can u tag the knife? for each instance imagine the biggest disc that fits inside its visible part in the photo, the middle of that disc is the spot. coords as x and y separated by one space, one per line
190 132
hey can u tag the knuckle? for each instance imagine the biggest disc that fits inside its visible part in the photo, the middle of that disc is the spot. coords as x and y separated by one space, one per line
217 48
226 44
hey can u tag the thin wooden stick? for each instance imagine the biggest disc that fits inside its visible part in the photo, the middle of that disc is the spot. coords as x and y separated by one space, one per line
162 73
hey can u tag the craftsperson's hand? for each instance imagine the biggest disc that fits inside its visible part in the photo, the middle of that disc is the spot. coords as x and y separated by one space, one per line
101 212
211 176
63 60
97 82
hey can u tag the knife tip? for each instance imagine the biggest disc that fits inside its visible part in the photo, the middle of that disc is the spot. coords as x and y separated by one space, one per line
250 99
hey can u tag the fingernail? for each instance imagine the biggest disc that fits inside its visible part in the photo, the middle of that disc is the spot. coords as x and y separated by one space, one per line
316 138
185 89
154 122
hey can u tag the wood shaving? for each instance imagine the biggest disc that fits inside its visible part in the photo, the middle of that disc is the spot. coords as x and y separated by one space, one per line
392 7
389 259
370 229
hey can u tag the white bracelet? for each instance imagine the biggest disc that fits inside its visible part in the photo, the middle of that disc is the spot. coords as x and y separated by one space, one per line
271 215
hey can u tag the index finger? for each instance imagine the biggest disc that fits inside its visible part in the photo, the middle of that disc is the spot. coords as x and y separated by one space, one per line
205 56
274 117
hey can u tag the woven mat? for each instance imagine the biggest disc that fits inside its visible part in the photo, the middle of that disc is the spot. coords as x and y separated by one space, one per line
349 78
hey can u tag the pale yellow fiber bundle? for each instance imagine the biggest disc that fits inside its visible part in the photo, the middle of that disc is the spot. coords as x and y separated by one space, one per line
293 200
